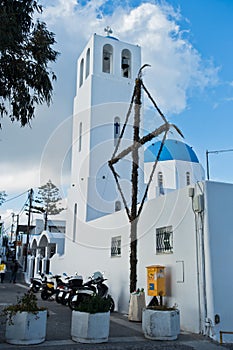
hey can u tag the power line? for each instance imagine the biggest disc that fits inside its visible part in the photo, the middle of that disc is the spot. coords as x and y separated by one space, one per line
22 209
19 195
7 217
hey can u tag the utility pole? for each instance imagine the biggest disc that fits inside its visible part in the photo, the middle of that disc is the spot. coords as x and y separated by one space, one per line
46 219
207 158
16 235
12 225
207 164
30 197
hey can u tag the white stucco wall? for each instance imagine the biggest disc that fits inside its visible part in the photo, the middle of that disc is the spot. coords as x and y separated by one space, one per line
219 257
99 100
92 248
174 175
208 275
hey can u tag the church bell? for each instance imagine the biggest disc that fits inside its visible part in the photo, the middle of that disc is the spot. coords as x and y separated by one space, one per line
125 63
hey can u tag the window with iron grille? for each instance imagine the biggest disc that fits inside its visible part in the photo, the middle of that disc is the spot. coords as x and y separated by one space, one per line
116 246
164 240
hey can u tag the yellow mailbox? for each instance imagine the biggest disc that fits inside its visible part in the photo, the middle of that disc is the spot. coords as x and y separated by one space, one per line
156 280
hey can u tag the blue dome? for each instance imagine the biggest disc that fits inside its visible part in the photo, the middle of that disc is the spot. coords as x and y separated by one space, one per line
172 150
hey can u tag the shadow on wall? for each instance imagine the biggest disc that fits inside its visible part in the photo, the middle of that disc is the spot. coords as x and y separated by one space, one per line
121 300
168 276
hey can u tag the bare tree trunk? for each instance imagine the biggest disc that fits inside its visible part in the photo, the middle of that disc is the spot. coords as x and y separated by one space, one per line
134 213
134 179
133 256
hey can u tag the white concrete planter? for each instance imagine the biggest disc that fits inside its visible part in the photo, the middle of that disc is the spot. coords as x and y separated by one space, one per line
161 325
90 328
27 328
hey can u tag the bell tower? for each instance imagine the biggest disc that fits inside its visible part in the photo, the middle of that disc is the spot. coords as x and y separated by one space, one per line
106 74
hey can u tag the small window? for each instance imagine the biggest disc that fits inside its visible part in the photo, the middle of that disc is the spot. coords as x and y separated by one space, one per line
81 73
80 137
107 58
117 206
160 183
116 129
126 63
164 240
88 63
74 222
188 179
116 246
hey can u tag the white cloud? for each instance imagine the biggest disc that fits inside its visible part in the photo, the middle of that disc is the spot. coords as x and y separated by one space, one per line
18 182
176 66
177 69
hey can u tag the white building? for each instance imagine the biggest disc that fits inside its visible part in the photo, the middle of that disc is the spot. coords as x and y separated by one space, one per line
43 244
185 223
178 167
107 69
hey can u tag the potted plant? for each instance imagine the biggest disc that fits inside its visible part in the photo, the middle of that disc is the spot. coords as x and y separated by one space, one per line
91 320
160 322
25 321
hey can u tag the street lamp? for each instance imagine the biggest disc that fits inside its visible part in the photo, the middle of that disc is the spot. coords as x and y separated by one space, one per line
207 158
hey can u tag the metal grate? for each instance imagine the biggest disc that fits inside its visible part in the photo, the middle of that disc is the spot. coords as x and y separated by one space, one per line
164 240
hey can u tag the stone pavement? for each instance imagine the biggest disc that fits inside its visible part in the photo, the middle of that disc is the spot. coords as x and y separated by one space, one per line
123 333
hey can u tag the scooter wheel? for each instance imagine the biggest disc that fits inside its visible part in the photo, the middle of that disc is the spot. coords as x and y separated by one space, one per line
44 295
64 302
74 304
112 307
58 300
35 289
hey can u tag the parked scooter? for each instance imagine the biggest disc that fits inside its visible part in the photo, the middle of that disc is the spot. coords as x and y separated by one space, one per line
95 285
49 287
76 284
37 282
65 290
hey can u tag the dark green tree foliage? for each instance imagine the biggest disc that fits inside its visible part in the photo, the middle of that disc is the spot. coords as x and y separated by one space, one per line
49 196
2 197
25 53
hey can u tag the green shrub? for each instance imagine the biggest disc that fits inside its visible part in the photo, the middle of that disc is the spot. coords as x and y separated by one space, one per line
94 304
26 303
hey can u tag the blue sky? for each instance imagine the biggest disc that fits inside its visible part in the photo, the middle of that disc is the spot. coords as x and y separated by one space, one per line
189 45
207 121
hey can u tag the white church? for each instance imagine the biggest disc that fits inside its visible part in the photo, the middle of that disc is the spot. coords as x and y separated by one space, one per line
185 224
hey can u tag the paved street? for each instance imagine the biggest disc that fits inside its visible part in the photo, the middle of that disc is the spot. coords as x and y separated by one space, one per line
123 333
